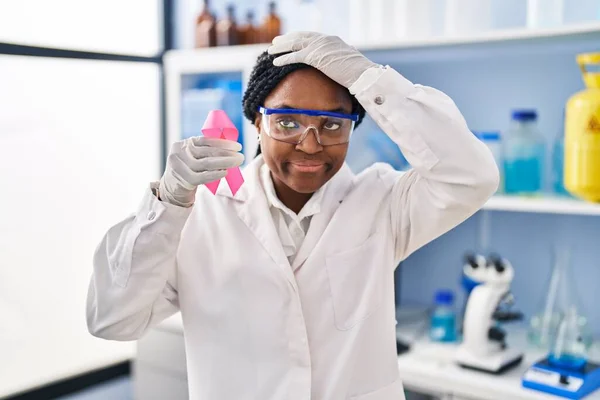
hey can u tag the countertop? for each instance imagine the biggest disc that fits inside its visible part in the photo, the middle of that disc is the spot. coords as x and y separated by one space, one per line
429 368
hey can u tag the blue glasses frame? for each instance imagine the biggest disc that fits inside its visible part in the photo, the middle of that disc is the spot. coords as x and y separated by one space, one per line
314 113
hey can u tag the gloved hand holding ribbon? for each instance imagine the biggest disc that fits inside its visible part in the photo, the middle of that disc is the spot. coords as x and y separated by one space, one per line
218 125
203 160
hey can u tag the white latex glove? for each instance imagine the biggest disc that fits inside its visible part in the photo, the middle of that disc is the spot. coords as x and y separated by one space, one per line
196 161
329 54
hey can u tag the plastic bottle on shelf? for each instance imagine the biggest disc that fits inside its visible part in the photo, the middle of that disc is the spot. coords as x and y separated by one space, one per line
524 154
272 25
248 34
310 10
413 19
545 13
381 21
492 140
206 32
443 319
227 31
582 11
467 17
359 13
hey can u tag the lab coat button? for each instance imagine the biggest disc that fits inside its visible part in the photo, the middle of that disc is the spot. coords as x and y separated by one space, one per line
379 100
151 215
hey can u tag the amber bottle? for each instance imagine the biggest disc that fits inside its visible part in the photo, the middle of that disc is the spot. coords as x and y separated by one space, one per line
272 25
227 30
206 30
248 33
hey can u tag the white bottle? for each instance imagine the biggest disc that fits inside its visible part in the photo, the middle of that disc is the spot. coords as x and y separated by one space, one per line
413 19
381 21
545 13
359 21
467 17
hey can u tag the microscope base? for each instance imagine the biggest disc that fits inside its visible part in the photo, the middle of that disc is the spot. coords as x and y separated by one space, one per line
495 363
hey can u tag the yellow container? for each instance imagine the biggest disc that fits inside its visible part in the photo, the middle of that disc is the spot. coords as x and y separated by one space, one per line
582 134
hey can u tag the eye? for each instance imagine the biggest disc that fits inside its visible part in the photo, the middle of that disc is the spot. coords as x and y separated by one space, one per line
332 125
287 123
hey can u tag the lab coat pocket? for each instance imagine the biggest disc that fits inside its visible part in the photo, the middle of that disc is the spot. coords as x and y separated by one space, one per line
355 279
395 391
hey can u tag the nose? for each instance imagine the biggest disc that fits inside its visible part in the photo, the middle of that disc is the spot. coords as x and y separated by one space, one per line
310 144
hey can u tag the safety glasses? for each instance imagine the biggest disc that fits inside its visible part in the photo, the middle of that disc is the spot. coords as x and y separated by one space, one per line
292 125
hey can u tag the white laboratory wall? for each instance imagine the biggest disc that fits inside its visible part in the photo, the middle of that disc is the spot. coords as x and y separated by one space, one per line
79 142
107 26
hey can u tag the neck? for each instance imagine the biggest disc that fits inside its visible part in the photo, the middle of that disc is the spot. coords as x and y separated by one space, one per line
290 198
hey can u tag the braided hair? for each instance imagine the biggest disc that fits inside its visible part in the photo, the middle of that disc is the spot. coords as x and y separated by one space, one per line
265 77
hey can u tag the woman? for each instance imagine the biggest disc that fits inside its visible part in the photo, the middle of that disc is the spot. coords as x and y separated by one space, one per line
286 288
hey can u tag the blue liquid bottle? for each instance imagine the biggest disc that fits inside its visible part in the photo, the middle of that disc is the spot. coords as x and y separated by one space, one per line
524 154
443 320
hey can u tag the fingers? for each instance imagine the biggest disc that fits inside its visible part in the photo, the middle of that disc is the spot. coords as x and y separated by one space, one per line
294 36
201 178
287 46
188 177
215 163
215 142
206 151
291 58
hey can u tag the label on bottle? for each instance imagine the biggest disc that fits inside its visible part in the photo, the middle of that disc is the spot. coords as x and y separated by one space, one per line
593 125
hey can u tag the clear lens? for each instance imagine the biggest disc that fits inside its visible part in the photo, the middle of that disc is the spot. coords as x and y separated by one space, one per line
291 128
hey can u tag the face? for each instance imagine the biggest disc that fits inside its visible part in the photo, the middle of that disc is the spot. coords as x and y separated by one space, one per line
307 166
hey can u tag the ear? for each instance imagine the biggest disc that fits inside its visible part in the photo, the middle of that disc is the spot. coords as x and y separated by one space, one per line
257 122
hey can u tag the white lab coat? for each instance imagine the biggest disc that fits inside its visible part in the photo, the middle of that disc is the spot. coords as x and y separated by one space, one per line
322 328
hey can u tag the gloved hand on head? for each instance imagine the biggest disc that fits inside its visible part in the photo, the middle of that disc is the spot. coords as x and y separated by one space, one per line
194 162
329 54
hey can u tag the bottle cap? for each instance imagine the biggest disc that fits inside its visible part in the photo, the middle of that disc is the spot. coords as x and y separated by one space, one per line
444 297
487 136
524 115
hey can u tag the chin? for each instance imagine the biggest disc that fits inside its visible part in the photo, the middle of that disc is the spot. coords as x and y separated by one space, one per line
306 186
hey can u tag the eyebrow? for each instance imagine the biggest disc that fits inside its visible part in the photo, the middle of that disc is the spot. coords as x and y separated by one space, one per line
284 106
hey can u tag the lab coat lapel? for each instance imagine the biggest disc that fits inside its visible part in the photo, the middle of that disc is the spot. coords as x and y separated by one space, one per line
335 192
251 205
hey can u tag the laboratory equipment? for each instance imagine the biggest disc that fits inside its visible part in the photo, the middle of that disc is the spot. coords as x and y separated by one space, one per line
227 31
560 300
562 330
484 346
467 17
493 141
566 371
569 383
248 34
524 153
443 319
272 24
545 13
206 30
473 274
292 125
582 133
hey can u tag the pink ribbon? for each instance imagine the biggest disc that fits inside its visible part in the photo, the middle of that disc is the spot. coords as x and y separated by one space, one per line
218 125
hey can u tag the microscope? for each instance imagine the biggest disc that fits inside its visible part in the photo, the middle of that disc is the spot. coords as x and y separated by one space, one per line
484 347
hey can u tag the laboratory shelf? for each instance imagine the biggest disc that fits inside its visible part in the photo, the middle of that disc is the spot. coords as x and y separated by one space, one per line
232 56
500 35
543 205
